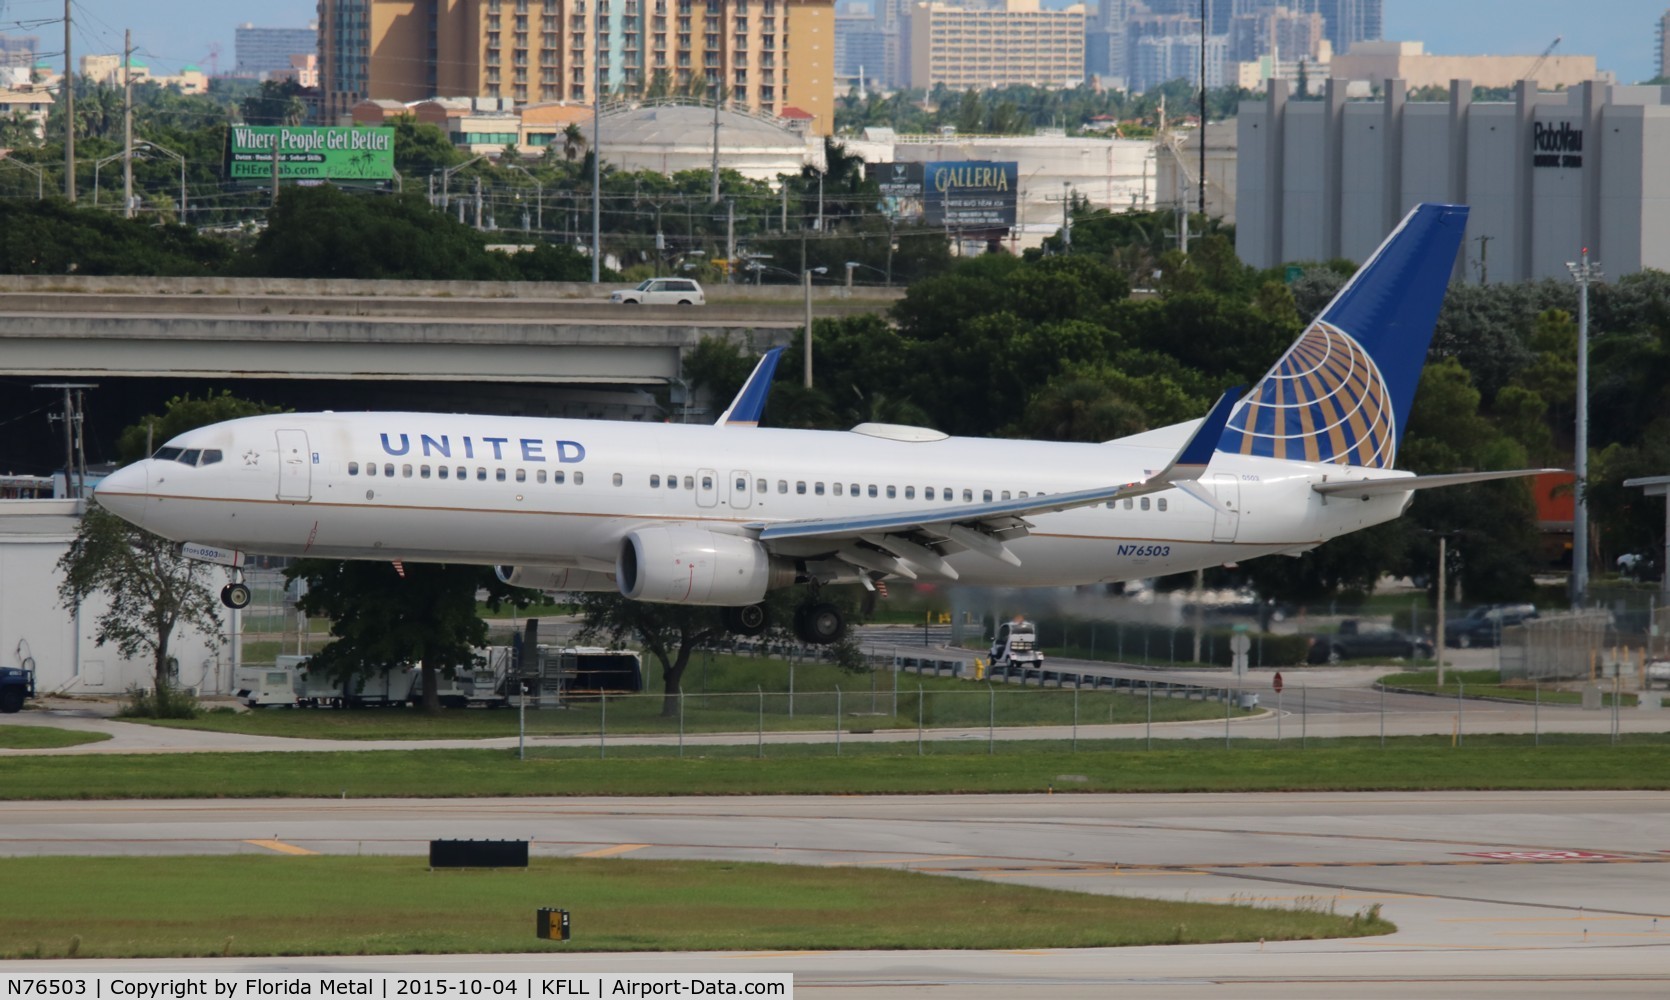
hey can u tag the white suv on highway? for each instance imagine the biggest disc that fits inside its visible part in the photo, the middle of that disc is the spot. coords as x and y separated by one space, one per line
661 292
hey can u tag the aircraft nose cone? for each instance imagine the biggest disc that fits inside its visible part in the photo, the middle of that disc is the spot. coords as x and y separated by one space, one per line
125 492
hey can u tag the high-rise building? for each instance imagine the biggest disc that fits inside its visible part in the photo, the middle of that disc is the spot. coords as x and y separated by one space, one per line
861 48
765 55
18 50
1663 41
1104 42
1348 21
266 50
1017 42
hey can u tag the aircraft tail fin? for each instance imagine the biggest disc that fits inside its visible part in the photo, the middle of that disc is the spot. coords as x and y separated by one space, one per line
1342 392
749 405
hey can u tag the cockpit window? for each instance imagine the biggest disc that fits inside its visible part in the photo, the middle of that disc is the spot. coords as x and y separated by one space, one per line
190 456
210 456
168 454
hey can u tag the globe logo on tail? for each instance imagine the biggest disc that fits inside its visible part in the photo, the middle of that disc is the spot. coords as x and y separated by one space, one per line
1324 401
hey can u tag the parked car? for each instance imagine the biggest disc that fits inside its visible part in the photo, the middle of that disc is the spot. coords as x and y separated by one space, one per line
1357 640
661 292
1483 625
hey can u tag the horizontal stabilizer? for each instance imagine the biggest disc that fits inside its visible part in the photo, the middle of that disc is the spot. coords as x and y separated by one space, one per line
1362 489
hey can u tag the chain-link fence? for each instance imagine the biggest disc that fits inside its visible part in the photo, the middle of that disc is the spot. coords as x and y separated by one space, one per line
1556 647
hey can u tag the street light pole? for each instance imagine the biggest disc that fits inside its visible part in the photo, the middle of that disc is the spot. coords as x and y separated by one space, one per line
806 281
1584 271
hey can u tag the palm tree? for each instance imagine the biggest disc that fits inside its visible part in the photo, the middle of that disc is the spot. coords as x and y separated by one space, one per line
573 141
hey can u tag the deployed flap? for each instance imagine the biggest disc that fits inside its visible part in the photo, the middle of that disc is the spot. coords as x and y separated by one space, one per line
749 405
1189 463
1362 489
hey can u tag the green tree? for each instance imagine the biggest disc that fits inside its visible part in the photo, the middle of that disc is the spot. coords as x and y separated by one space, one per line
152 589
380 617
667 632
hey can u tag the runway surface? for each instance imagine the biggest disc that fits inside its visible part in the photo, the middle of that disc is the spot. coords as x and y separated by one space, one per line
1495 894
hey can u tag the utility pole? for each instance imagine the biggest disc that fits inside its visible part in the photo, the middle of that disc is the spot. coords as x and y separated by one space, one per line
75 457
713 180
69 111
596 148
478 225
273 200
127 124
1066 217
1202 200
1443 591
1584 271
730 240
1484 258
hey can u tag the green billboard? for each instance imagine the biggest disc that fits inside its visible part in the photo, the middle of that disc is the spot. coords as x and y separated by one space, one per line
306 153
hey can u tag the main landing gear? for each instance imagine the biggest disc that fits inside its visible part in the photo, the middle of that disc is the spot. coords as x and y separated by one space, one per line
816 623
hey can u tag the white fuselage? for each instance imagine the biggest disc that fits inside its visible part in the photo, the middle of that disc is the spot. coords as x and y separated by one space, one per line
563 493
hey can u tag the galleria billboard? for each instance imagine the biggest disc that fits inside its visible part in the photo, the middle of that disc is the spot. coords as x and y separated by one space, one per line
307 153
957 194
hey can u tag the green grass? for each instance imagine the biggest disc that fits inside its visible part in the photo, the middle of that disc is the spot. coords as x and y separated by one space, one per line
41 737
96 907
1641 761
1489 684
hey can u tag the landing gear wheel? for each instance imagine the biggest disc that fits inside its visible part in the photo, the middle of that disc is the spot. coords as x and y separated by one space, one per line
820 624
747 621
235 596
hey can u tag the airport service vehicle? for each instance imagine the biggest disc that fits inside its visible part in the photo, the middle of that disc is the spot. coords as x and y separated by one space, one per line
1016 645
661 292
715 516
1360 640
16 686
1483 625
1658 672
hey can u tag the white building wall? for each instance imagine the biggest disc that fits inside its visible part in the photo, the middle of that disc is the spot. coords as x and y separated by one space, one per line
1491 188
1426 153
1304 183
1362 189
34 535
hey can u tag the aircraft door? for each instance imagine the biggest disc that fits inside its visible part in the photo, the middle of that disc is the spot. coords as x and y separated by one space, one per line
1225 523
707 488
295 466
742 489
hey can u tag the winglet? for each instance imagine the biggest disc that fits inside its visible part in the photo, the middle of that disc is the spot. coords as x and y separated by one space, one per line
749 405
1192 460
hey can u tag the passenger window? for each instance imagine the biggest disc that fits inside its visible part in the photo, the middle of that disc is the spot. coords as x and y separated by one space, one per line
1006 495
782 486
986 495
1023 494
800 487
760 486
498 475
1129 503
892 491
837 489
388 469
654 482
968 496
481 473
423 472
910 493
872 490
1144 503
618 479
689 482
579 478
741 485
558 476
371 468
852 490
540 475
928 493
707 483
817 488
353 468
1162 503
521 475
406 472
442 471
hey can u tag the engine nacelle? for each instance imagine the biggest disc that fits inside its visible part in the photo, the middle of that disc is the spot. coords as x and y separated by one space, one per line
554 579
681 564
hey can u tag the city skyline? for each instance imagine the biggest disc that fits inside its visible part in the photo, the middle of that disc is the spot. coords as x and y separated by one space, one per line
172 33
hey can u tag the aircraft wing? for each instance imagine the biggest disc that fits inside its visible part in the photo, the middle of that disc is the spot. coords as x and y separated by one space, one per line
749 405
1362 489
904 541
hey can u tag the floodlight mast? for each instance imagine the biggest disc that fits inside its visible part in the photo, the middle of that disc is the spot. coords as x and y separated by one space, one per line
1584 271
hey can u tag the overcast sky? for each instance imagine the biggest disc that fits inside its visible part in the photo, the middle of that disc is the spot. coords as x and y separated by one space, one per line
1620 33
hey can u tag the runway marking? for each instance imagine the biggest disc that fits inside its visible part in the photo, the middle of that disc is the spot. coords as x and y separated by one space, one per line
920 859
1542 855
609 852
280 846
1503 920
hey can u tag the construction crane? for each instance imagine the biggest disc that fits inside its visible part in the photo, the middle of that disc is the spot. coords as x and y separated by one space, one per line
1531 74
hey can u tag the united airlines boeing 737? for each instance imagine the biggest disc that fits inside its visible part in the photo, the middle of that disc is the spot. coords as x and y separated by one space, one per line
719 516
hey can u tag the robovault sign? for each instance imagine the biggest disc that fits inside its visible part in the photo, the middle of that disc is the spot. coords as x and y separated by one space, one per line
1556 145
307 153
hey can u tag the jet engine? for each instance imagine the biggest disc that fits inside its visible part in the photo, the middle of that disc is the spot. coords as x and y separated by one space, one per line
554 579
681 564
